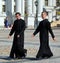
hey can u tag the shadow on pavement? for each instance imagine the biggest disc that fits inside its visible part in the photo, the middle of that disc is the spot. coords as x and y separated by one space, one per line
56 46
5 58
27 58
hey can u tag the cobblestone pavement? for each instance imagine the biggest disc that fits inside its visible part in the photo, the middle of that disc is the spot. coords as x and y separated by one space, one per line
32 45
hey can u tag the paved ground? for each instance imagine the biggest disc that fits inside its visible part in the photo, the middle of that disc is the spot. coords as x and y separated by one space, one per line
32 45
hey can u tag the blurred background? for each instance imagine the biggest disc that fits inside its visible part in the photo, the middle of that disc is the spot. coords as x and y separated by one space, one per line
30 11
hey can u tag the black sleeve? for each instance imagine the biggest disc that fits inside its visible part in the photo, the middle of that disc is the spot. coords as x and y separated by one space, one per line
37 30
50 30
12 30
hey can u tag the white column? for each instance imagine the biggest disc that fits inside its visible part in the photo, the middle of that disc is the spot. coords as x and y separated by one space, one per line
50 2
50 16
23 7
10 10
41 4
18 6
54 3
10 6
33 7
0 6
54 11
50 13
29 7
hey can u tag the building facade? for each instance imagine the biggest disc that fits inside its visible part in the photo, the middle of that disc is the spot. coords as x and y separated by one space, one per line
27 9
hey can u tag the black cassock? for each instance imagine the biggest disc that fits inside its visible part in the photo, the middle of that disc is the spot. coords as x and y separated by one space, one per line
44 28
18 42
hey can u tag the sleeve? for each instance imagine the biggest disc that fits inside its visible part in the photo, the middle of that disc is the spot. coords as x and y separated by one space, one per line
37 30
50 30
12 30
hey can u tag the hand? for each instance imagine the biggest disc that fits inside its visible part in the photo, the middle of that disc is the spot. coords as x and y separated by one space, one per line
54 39
18 36
9 36
32 35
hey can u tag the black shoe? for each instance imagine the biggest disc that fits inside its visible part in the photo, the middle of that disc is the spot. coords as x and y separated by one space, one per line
40 57
19 57
48 57
25 52
11 57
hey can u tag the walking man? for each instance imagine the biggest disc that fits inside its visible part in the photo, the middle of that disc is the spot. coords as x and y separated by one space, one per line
44 28
17 50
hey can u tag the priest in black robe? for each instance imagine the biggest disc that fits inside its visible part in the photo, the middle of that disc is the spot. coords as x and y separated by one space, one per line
44 28
17 50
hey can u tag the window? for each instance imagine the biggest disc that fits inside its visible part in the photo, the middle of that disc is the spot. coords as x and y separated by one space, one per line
3 8
58 11
4 0
14 8
58 2
14 0
46 2
58 6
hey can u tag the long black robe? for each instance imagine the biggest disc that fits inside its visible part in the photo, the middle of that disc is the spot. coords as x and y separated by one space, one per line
44 28
18 42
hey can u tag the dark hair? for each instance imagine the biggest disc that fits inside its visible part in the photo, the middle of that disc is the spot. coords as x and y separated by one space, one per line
17 13
45 12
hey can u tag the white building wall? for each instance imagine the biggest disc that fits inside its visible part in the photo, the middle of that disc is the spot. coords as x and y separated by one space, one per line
0 6
2 15
54 11
41 4
31 21
23 7
30 13
10 10
50 14
2 20
10 6
18 6
31 9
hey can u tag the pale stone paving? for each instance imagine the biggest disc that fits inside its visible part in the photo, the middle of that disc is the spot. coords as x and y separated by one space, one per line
32 46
